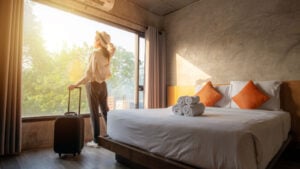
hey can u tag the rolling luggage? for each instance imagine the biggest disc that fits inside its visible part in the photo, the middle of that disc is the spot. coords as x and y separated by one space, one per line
69 131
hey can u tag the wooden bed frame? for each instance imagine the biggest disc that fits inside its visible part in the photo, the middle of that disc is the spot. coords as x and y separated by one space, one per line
140 159
136 158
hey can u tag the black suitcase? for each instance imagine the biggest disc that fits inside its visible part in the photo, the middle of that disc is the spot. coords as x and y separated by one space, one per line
69 131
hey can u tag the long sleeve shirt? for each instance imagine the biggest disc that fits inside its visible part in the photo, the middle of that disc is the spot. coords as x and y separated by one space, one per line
98 68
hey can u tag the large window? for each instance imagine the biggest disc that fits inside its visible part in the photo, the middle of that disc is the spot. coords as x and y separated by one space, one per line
56 49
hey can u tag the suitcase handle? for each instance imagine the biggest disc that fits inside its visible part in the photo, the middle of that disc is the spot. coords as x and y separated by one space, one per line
79 102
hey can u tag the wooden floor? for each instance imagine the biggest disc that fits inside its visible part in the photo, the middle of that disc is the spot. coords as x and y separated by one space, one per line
99 158
90 158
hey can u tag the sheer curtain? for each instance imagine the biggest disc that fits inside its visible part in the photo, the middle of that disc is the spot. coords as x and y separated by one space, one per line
155 78
11 17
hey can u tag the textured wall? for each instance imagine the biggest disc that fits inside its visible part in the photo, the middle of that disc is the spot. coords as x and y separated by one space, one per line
225 40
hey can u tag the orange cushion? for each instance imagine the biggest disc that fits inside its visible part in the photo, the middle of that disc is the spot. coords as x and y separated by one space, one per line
250 97
209 95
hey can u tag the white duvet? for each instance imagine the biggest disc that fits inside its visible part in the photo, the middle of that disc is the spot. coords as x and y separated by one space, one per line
221 138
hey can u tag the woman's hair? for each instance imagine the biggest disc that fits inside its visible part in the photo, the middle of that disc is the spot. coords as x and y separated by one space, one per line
108 47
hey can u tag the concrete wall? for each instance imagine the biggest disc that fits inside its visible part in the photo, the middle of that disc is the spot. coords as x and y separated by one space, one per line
233 40
39 134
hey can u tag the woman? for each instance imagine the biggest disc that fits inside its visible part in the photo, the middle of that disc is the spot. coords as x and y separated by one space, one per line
97 72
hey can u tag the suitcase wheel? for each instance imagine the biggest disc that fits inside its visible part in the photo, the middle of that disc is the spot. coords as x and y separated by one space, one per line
59 155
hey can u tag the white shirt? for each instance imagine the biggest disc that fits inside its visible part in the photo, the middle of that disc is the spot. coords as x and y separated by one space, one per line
98 68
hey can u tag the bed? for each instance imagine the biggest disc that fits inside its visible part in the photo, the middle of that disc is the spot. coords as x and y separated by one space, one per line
220 138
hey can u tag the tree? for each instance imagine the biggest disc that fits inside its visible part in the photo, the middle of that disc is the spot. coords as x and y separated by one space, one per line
122 82
36 62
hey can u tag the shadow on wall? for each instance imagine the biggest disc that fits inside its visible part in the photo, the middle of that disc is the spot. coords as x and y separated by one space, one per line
189 74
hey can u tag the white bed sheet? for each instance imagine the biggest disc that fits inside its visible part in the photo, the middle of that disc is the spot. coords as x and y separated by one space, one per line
220 138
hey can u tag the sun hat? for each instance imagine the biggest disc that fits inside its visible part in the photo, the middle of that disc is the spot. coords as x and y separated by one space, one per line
104 38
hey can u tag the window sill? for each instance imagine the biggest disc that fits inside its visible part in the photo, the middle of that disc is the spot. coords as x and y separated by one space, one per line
45 118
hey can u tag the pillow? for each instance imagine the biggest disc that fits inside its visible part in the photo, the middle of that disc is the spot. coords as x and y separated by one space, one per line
224 90
209 95
235 88
270 88
250 97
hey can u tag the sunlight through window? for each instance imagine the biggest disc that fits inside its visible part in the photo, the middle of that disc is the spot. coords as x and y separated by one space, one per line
56 49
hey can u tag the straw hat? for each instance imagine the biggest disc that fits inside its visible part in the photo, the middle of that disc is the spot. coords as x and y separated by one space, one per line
104 38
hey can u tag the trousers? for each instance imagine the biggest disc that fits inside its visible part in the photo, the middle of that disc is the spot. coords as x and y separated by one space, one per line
97 97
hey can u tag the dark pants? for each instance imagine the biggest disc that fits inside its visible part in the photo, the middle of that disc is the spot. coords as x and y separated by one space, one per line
97 96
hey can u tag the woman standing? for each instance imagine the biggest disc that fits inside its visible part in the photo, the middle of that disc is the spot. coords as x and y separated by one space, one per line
97 72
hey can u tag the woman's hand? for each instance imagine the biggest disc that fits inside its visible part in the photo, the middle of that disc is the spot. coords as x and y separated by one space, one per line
71 87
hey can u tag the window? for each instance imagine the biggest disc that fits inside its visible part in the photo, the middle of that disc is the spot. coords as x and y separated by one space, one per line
56 49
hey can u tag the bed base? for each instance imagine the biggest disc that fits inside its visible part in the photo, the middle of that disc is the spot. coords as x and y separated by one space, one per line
136 158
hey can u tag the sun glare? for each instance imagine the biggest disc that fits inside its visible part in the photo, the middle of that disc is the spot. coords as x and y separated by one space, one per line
62 29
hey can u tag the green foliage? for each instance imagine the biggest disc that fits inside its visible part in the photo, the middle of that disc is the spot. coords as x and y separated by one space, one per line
121 84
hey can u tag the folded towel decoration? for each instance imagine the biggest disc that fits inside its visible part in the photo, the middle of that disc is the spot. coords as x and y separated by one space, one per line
192 99
188 106
193 109
177 109
181 100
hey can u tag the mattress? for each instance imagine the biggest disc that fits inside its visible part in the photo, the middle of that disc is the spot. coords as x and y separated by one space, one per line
220 138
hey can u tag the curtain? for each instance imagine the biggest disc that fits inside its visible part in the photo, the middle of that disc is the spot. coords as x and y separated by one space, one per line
11 17
155 69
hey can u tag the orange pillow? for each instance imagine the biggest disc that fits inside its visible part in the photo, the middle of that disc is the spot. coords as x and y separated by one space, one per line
250 97
209 95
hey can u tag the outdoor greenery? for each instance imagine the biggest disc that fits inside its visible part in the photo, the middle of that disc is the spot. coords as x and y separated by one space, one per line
46 75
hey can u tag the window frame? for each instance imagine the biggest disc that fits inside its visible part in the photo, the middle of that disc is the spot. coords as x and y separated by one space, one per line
139 34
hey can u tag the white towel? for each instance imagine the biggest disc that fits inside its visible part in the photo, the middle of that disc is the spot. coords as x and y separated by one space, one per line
193 109
192 99
177 109
181 100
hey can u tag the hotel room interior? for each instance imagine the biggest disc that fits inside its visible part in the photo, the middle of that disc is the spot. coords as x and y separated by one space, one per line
242 57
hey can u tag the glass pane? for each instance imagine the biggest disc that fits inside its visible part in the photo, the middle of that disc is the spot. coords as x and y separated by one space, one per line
56 49
142 47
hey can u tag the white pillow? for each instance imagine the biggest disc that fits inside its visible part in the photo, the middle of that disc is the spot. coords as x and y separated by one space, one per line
225 100
198 88
224 90
271 88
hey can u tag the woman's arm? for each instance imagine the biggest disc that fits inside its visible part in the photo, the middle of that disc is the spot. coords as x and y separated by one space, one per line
83 80
111 49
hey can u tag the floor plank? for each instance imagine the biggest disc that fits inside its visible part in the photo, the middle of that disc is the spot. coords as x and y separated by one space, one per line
98 158
90 158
